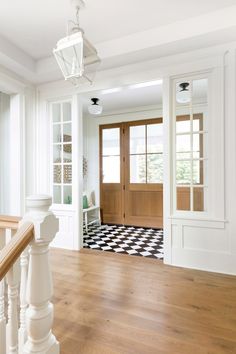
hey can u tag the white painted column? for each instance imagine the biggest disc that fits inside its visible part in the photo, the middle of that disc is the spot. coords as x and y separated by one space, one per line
39 315
77 171
167 182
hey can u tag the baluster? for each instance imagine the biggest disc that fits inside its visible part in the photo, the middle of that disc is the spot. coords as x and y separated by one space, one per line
23 302
39 314
2 303
11 291
8 236
2 319
12 324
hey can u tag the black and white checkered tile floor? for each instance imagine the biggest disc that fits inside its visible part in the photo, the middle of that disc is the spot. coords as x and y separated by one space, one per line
125 239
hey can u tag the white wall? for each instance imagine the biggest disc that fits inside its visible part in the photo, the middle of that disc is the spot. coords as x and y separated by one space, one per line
30 141
91 140
18 138
4 152
13 159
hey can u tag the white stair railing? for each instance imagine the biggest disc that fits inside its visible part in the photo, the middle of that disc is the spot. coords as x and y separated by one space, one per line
26 322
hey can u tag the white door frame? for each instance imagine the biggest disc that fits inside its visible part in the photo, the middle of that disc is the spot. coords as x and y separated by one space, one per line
194 62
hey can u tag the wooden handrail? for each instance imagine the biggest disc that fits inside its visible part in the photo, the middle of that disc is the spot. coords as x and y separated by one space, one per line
11 252
9 222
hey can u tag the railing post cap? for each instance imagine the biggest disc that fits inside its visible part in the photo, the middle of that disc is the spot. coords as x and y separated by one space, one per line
38 202
46 225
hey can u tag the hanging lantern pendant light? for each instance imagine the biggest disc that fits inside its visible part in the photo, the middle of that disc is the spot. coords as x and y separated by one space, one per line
75 55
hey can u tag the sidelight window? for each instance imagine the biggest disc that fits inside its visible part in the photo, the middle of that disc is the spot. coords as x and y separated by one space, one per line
61 152
191 158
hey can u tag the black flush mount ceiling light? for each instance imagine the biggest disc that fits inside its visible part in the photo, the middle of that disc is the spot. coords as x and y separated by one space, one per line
95 108
183 93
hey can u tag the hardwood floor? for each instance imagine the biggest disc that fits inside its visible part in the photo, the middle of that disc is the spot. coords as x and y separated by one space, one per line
106 303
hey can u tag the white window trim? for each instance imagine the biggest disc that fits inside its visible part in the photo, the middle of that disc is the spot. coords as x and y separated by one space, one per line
60 206
183 214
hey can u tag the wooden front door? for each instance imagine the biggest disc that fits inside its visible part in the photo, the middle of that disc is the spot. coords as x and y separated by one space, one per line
131 173
144 173
111 176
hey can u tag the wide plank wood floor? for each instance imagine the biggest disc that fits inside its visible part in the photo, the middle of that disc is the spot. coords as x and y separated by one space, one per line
106 303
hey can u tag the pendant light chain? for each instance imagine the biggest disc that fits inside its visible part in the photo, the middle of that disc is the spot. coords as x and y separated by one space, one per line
77 15
76 23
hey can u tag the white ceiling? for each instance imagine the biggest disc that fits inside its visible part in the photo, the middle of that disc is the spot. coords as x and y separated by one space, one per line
135 97
34 26
125 32
125 99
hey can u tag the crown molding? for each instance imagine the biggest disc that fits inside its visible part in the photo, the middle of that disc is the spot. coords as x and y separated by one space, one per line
212 29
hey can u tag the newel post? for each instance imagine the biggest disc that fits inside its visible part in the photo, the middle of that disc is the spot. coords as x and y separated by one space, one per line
39 315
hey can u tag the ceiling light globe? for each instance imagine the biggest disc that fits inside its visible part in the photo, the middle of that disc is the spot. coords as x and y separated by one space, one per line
183 93
95 108
183 97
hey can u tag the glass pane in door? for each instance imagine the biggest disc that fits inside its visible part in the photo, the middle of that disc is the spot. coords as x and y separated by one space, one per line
111 155
111 142
111 169
138 169
154 168
154 138
137 143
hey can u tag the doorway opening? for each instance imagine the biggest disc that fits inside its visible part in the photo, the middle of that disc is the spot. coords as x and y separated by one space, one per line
123 153
131 192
